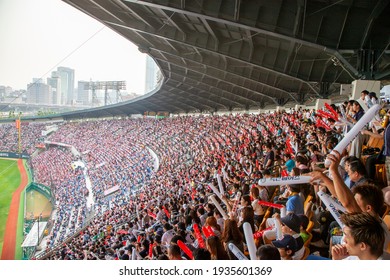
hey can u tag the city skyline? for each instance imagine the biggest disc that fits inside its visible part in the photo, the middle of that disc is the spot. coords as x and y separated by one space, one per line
63 36
61 89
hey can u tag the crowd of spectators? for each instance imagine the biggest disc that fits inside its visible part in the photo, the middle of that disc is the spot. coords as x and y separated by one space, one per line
111 163
241 149
53 168
156 214
30 136
113 155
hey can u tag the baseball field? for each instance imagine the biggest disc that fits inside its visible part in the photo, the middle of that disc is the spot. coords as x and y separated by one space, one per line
13 180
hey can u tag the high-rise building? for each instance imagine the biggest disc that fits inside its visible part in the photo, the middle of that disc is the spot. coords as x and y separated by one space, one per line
151 74
55 83
83 94
67 84
39 93
37 80
5 91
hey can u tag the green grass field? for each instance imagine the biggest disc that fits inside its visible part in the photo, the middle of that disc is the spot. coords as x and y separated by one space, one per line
9 182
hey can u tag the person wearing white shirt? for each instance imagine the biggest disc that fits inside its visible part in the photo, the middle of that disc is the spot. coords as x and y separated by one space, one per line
366 98
373 98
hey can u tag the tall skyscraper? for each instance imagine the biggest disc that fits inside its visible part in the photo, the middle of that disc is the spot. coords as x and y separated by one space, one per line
39 93
55 83
151 74
83 94
5 91
67 84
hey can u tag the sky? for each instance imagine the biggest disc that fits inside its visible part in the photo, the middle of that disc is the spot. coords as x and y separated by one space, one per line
37 36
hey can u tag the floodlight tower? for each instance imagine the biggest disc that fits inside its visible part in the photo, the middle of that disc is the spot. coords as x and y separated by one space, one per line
93 87
106 85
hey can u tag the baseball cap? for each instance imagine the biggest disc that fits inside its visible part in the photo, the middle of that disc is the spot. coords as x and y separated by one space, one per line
292 221
288 242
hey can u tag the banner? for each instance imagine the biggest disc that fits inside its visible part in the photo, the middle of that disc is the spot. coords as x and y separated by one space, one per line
111 190
14 155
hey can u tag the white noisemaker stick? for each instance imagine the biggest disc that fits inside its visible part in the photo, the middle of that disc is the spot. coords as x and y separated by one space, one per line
240 255
290 180
219 179
250 242
365 119
331 206
215 202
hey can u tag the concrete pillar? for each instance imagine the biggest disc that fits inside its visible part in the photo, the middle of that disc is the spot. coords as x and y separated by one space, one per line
359 85
321 103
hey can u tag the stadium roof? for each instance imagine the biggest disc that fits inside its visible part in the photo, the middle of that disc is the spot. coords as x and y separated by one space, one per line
235 54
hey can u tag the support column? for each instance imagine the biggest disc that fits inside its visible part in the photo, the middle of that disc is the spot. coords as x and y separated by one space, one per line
366 63
359 85
321 103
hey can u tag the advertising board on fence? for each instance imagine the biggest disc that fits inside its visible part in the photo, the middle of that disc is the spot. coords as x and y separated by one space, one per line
14 155
45 190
